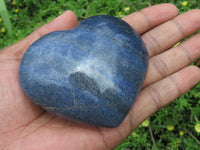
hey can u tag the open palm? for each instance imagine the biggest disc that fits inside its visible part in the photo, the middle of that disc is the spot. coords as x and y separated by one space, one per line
23 125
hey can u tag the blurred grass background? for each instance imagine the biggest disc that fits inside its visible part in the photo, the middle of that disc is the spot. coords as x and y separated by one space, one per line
177 126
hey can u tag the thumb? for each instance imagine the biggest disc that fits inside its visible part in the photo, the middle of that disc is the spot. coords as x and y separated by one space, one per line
66 21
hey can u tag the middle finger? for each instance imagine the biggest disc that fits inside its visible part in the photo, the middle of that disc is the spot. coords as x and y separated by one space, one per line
166 35
171 61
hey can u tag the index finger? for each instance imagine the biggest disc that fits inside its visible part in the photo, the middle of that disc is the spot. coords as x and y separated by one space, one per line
147 18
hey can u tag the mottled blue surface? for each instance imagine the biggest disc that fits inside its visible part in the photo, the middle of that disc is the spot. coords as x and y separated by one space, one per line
91 74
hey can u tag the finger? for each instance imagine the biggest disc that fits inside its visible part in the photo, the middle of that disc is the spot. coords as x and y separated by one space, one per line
171 61
166 35
150 17
158 95
67 20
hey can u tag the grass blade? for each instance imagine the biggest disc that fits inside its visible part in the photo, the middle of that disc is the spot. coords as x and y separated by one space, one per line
5 17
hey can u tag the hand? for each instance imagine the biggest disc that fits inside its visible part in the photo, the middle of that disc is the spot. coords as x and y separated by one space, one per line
24 125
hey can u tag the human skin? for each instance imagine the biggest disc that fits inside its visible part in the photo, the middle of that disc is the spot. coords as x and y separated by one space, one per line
25 126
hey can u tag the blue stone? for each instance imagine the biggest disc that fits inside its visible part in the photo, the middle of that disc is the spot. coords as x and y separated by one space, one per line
90 74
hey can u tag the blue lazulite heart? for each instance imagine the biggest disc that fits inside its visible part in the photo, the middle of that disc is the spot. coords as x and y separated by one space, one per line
91 74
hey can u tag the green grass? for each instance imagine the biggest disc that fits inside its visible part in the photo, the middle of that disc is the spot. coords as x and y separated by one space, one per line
27 15
173 127
5 18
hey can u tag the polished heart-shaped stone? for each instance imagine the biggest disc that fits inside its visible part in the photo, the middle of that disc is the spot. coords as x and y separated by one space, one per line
92 73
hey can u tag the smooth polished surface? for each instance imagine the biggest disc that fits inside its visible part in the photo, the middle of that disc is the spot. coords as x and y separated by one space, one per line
91 74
